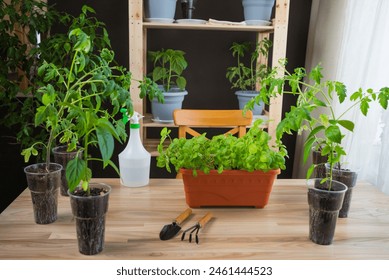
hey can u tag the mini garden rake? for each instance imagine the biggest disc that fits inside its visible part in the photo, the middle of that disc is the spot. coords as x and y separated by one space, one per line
196 228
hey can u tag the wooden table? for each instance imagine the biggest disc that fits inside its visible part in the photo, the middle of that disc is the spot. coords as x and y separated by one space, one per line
136 216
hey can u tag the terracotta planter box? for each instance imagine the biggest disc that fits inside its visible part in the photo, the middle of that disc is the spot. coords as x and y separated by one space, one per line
230 188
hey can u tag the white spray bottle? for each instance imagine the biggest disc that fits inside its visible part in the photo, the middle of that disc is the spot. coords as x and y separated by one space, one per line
134 160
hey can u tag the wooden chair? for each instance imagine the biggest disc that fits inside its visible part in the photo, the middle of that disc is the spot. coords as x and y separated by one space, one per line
187 119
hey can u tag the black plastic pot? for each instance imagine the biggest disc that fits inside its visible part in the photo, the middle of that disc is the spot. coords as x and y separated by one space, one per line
62 156
325 200
44 184
89 213
349 178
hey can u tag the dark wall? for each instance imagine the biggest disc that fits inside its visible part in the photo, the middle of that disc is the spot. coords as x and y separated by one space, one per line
299 16
11 168
208 57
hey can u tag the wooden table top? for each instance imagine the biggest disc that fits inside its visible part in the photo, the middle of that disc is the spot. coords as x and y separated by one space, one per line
136 216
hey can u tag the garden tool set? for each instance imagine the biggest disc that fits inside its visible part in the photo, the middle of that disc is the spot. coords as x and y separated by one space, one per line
171 230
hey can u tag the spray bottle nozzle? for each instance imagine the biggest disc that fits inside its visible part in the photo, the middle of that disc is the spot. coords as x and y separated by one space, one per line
134 118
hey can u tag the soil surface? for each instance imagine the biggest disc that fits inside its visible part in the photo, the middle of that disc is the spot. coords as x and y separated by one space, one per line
93 192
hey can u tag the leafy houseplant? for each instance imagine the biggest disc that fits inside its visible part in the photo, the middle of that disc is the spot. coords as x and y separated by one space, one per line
71 108
325 129
315 112
74 111
27 18
20 22
200 159
168 66
245 78
57 50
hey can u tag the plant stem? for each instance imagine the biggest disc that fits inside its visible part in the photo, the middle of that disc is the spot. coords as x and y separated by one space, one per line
169 77
331 165
252 74
240 73
85 97
60 112
85 154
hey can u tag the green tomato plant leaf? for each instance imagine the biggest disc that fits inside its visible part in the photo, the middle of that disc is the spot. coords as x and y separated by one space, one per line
75 172
310 171
349 125
333 133
106 144
308 147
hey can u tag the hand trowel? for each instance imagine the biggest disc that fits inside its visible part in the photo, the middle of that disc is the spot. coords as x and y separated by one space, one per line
169 231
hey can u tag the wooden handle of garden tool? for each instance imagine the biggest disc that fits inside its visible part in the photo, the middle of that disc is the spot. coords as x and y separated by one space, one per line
204 220
183 216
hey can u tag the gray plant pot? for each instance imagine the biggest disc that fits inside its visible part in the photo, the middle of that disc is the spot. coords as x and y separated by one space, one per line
245 96
44 190
160 9
163 112
257 9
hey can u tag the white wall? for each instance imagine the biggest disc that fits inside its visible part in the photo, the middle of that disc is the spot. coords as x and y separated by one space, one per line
324 46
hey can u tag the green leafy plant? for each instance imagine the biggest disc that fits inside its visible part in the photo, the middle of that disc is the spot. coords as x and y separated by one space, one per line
246 77
20 22
223 152
168 67
57 47
315 113
32 16
74 110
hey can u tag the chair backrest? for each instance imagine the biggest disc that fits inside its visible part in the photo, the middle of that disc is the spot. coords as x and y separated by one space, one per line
186 120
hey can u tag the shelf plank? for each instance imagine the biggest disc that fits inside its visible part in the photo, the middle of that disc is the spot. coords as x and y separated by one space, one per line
148 122
208 26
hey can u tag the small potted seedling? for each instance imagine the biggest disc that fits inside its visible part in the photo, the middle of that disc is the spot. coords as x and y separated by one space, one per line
245 77
315 113
73 111
168 66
